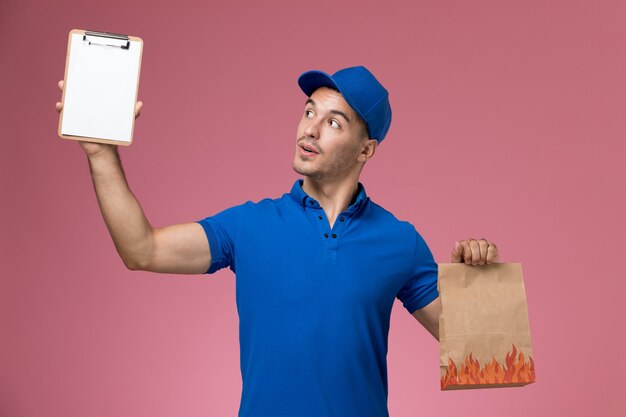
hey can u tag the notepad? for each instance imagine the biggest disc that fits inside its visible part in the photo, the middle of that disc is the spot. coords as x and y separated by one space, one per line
100 88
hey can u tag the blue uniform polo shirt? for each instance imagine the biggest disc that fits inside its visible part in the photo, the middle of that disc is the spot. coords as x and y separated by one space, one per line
315 302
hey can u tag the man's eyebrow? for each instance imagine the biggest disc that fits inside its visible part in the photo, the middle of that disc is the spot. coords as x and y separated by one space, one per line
342 114
338 112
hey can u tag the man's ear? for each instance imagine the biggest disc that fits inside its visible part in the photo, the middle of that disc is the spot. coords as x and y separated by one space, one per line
368 150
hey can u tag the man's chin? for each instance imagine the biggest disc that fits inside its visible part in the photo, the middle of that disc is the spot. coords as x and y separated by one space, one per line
298 168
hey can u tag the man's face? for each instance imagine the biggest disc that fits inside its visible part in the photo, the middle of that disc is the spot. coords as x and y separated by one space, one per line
330 137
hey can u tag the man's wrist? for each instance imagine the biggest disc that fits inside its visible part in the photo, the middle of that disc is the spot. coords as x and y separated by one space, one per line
106 152
105 162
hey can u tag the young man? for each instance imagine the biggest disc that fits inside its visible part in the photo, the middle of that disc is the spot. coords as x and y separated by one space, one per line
317 270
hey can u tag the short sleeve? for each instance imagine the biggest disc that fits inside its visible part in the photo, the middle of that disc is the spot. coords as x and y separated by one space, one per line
421 288
221 232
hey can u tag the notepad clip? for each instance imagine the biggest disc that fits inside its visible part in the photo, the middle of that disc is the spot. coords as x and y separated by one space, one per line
106 39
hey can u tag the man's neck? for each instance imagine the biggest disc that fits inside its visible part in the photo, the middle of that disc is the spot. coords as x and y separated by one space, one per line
334 197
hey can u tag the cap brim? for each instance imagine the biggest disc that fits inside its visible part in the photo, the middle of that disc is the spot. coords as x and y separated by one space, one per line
312 80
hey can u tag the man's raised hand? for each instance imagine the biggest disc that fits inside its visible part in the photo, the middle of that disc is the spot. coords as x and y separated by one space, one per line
92 148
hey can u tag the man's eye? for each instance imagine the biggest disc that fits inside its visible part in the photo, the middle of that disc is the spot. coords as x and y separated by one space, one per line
308 113
334 123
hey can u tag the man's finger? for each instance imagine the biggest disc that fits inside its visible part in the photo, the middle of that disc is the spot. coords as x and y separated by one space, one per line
492 254
457 250
473 243
60 84
483 245
138 106
59 106
467 252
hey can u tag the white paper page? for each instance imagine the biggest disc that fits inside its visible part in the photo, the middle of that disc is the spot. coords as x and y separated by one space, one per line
101 90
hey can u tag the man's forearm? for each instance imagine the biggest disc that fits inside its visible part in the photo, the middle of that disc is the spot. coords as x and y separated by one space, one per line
428 317
124 217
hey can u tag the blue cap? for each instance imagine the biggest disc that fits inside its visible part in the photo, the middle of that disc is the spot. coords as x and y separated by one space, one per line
361 90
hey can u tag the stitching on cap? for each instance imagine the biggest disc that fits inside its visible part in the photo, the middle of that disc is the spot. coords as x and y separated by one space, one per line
379 100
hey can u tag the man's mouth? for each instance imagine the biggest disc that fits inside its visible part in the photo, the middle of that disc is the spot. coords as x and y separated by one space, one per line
308 149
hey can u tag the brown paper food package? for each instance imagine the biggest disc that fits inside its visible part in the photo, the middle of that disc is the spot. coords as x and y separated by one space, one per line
484 337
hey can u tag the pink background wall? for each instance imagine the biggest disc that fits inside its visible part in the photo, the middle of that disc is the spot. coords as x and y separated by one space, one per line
509 124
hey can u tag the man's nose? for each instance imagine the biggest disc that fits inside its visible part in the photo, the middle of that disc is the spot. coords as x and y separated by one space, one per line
312 129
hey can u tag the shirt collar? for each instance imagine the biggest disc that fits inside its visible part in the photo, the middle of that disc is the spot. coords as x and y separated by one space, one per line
302 198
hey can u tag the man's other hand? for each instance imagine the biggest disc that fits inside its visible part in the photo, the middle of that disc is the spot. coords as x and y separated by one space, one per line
475 252
95 148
